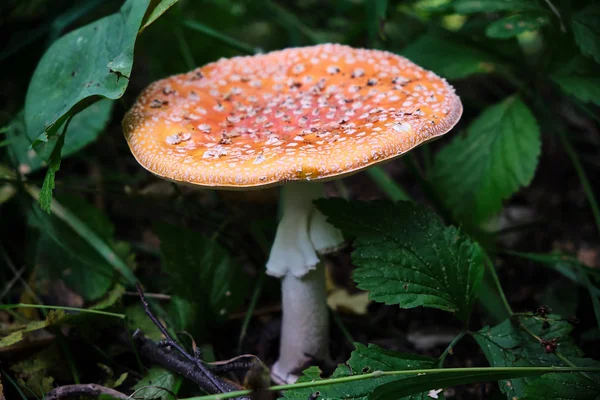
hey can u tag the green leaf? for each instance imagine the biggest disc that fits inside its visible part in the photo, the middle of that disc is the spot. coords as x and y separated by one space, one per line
406 255
45 199
508 345
67 255
363 360
86 64
514 25
579 77
137 319
486 6
155 10
153 384
448 57
571 386
586 28
433 381
201 272
84 128
475 172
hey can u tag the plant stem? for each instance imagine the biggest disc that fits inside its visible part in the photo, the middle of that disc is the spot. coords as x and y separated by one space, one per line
490 267
442 358
386 184
253 301
340 324
585 183
379 374
212 33
44 307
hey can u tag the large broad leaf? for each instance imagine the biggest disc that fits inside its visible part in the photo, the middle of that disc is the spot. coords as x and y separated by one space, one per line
448 58
514 25
509 345
201 272
88 63
579 77
363 360
406 256
476 6
66 255
586 28
84 128
573 386
498 155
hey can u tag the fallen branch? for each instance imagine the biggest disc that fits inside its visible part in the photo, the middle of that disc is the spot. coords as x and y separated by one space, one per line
215 385
88 390
175 363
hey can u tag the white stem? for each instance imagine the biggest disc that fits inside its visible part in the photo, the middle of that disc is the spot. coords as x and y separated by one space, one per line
302 234
305 325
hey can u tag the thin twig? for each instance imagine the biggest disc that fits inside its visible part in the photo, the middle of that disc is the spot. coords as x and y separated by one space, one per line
12 282
87 389
440 363
490 267
171 342
555 11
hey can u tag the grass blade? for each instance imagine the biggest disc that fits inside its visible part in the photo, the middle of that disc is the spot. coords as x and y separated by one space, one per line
88 235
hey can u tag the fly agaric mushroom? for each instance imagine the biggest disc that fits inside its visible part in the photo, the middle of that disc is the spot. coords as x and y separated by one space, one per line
296 118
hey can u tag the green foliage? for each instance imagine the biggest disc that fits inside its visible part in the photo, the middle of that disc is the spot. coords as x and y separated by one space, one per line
65 254
190 257
448 57
499 154
579 77
157 384
518 62
515 25
511 345
573 386
85 65
406 255
586 28
363 360
84 128
94 60
477 6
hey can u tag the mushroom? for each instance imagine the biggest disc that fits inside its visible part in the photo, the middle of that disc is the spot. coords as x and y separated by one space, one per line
296 117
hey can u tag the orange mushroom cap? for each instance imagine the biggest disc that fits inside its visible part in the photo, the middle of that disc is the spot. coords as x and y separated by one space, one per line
311 113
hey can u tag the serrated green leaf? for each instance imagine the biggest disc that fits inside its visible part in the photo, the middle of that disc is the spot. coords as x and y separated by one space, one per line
151 386
201 272
508 345
586 28
514 25
499 154
406 256
448 58
477 6
363 360
579 77
571 386
81 67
